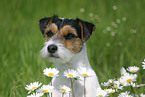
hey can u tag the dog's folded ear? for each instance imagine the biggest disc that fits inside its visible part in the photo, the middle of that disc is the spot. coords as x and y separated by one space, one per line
44 22
86 29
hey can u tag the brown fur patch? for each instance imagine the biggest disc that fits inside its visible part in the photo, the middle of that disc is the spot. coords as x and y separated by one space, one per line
75 44
68 29
53 28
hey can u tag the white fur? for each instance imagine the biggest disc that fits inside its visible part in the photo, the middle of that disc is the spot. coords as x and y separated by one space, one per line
63 53
66 61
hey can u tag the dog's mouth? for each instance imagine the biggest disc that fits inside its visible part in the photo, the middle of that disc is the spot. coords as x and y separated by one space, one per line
53 56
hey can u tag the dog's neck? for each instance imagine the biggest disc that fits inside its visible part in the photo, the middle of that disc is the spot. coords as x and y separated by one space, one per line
78 60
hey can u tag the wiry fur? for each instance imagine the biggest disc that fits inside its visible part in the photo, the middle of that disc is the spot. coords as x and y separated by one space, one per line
73 61
62 54
71 53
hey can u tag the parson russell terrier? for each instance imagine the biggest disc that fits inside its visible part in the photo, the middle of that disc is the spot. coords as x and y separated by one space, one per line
65 46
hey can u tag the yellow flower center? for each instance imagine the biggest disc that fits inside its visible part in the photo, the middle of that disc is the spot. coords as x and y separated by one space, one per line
129 80
116 87
85 75
122 84
99 95
50 74
122 74
33 88
44 91
63 90
70 75
112 91
133 71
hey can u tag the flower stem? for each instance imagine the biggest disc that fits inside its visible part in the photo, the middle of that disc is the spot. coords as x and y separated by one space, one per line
62 94
51 85
132 90
84 87
47 95
72 87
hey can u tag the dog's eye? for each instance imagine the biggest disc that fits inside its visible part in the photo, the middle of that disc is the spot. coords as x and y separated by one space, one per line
49 33
70 36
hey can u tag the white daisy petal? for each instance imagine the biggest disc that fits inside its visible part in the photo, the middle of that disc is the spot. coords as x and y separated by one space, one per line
45 89
125 94
70 73
84 72
123 71
64 89
117 85
32 86
133 69
142 95
141 85
109 83
143 66
50 72
129 78
123 82
35 95
101 93
133 84
109 90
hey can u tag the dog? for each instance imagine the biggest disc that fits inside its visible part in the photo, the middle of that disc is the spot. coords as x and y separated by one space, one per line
65 46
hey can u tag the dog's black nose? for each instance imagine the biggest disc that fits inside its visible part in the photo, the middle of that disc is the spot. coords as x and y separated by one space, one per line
52 48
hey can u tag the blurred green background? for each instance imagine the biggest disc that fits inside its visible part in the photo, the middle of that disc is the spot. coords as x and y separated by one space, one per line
118 40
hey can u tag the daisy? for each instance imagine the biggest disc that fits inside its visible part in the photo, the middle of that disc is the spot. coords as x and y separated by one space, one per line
142 95
109 83
32 86
84 72
123 71
109 90
35 95
64 89
123 82
133 84
124 94
129 78
143 64
50 72
117 85
70 73
141 85
45 89
133 69
101 93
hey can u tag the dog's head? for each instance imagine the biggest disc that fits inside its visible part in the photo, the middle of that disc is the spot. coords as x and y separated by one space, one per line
64 37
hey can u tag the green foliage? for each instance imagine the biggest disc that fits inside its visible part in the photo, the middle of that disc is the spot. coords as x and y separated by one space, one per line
21 39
